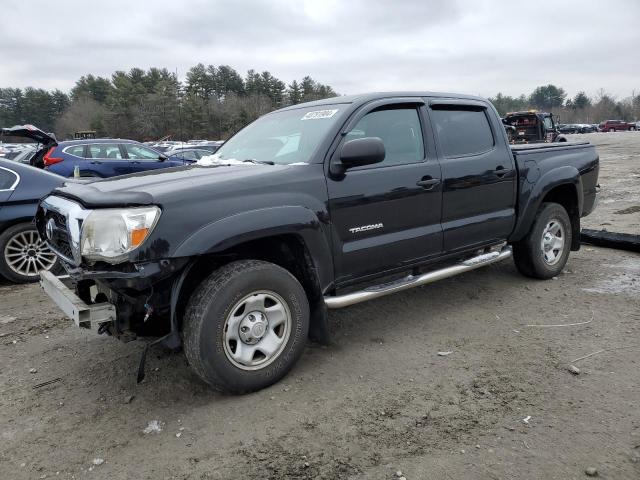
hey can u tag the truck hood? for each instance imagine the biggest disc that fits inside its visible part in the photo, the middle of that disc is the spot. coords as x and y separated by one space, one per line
151 187
32 133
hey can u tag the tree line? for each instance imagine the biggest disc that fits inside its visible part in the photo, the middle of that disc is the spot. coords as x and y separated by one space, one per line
213 102
578 109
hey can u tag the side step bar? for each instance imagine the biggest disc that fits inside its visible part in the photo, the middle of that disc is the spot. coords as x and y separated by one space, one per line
415 281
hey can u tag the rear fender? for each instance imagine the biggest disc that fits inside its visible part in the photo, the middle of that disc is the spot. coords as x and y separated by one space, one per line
527 208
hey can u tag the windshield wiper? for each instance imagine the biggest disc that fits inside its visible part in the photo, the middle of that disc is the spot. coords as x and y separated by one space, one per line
259 162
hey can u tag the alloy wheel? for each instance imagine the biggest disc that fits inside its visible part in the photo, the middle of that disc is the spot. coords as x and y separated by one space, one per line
26 254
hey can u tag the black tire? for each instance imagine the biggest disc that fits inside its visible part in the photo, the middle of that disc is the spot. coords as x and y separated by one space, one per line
206 343
528 254
7 249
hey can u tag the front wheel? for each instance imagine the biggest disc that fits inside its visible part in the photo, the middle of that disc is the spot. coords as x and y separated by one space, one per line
23 254
544 252
245 326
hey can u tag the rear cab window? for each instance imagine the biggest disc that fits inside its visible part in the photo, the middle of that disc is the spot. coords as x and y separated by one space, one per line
462 130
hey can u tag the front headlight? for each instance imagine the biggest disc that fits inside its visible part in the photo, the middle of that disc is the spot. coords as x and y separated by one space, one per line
110 234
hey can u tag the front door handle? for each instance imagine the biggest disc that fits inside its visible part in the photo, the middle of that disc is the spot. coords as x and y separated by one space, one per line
500 171
428 183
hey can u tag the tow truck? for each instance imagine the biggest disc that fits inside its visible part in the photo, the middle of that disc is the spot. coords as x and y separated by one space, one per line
532 126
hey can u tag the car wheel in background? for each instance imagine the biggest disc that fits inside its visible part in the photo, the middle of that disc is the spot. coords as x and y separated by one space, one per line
23 254
544 252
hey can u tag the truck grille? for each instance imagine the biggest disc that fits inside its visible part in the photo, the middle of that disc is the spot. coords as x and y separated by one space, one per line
58 236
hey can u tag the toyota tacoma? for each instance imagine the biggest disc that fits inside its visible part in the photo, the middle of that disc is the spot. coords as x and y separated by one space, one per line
238 258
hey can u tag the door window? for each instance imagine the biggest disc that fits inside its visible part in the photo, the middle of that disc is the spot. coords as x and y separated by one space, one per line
188 155
8 179
138 152
107 151
548 124
76 151
400 131
462 132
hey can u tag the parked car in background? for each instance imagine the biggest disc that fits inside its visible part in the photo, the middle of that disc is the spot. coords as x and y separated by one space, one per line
188 154
22 252
575 128
616 126
105 157
25 155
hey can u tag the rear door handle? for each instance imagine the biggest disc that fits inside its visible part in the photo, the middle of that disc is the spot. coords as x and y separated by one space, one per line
428 183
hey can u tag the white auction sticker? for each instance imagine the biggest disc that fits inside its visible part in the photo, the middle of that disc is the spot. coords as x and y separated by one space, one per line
315 115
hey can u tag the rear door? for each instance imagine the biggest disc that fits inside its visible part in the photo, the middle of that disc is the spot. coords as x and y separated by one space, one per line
386 216
105 160
478 170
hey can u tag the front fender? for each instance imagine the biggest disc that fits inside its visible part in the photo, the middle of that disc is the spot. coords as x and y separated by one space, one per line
230 231
532 195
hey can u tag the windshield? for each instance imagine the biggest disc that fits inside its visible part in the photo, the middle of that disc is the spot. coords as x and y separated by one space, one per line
282 138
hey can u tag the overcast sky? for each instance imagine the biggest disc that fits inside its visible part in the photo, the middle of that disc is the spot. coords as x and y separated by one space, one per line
471 46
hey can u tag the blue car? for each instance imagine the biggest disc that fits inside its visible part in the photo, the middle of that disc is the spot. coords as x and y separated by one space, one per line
94 157
22 253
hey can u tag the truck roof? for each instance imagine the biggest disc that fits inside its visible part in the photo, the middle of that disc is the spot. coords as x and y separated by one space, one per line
360 99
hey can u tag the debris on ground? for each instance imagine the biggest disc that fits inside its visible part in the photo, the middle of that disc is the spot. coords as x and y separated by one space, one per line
33 370
444 354
129 398
48 382
573 369
591 472
526 419
98 461
4 319
154 426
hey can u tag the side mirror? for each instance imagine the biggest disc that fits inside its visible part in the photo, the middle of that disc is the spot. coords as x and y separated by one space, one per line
162 157
359 152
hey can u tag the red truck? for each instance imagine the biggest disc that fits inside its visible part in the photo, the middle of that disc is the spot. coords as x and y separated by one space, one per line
616 126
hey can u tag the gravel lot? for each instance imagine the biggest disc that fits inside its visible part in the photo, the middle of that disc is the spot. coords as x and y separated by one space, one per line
379 400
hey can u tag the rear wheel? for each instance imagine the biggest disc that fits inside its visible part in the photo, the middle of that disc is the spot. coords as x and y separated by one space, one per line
544 252
245 326
23 254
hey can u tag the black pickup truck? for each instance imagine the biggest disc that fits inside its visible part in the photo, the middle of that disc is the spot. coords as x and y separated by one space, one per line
315 206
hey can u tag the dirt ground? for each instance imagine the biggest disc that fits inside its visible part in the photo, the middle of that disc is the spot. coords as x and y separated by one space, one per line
501 405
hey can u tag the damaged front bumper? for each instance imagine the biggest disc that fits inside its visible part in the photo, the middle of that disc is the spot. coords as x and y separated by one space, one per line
62 292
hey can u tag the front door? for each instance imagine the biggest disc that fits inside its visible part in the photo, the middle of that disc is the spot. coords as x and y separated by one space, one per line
141 158
479 195
387 216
